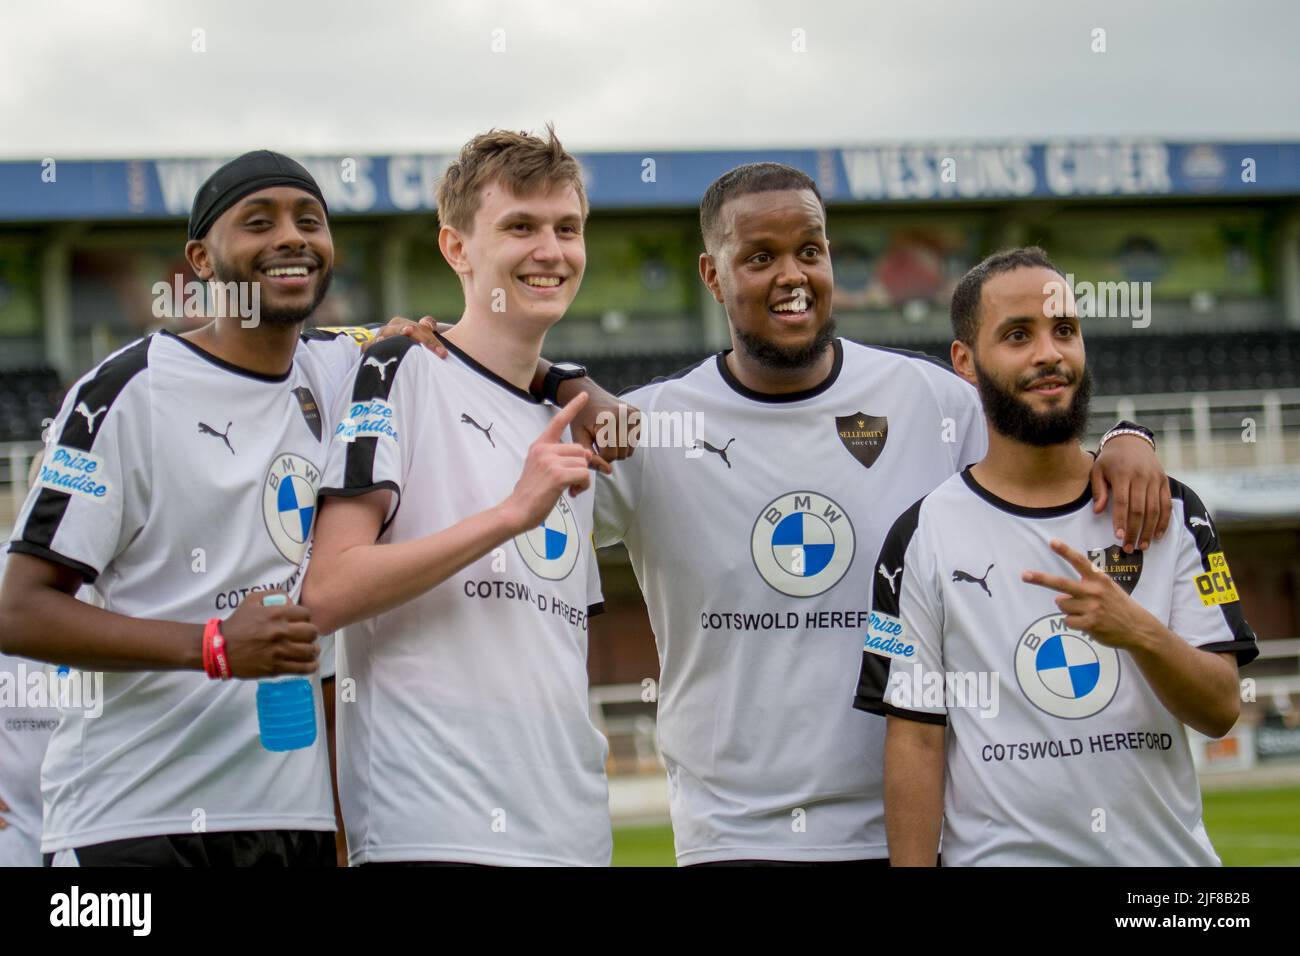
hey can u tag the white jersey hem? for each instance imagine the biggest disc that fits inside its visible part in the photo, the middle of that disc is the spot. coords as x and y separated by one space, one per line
814 854
443 854
177 826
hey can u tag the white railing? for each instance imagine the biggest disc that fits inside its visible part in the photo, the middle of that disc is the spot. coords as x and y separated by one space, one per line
1279 685
17 458
632 735
1213 430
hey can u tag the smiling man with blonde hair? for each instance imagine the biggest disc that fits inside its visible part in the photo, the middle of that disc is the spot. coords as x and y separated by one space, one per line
448 547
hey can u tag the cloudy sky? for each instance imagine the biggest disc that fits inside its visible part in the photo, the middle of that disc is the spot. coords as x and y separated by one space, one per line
123 78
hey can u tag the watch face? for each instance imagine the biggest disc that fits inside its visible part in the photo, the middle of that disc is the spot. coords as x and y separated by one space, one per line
572 369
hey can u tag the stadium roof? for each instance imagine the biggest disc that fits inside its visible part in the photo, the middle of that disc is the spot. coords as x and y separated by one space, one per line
50 190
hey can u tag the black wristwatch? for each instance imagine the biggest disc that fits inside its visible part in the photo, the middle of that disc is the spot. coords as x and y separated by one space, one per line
560 372
1128 428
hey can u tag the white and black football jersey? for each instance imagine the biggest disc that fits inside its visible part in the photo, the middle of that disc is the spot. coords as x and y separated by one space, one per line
464 731
179 485
752 541
1058 750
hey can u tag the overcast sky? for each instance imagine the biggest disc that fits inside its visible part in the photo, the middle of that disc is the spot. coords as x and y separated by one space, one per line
120 78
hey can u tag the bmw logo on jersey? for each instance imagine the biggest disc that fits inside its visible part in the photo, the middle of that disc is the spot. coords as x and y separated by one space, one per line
1063 671
551 549
289 504
802 543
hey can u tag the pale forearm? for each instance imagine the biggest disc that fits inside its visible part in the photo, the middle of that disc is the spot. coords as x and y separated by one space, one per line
364 580
1198 687
914 765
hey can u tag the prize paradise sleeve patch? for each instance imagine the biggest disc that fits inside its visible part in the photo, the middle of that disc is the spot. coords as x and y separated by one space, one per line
886 637
1216 586
369 418
75 472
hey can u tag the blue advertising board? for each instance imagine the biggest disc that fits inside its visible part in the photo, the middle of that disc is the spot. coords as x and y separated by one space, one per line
52 189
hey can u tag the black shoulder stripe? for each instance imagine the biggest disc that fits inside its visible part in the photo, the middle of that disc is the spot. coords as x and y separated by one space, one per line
379 367
319 335
873 678
889 568
360 333
1197 521
374 381
93 401
1196 518
98 393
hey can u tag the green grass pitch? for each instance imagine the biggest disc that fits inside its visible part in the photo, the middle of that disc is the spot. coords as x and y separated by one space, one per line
1247 827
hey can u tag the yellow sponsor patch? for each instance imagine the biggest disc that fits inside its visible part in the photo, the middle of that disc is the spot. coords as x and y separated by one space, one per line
357 332
1215 585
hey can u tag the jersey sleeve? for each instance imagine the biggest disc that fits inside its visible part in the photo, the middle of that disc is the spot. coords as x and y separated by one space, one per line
618 496
972 439
338 350
91 496
366 451
904 640
1206 610
595 596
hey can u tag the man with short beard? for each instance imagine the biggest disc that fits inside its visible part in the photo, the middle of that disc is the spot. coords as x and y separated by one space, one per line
180 480
1059 723
752 545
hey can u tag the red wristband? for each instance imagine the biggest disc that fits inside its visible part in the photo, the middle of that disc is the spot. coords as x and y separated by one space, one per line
215 662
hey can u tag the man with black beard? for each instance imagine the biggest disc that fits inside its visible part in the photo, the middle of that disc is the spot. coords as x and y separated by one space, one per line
180 481
753 543
1059 723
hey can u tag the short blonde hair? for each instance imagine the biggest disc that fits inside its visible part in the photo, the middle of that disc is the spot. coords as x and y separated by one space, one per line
523 163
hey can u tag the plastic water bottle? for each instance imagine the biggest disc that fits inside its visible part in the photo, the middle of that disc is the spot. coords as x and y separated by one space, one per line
286 710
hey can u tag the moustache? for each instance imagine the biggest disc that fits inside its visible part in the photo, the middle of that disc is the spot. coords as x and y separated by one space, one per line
1064 375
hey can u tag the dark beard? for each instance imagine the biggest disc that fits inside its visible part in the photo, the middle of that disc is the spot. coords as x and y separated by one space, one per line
778 359
1010 416
270 316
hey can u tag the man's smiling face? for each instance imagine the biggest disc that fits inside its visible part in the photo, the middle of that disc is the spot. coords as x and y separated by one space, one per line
280 239
771 270
531 247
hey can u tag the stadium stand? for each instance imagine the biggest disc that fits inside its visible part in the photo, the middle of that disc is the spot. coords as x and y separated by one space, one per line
28 396
1122 364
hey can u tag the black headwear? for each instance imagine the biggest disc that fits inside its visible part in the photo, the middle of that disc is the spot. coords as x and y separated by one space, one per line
259 169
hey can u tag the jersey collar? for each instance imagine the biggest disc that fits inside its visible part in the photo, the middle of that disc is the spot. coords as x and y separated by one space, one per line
490 375
223 364
1023 511
782 397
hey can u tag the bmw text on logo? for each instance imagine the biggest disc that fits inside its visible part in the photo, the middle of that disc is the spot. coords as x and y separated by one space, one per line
551 549
802 543
289 504
1063 671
